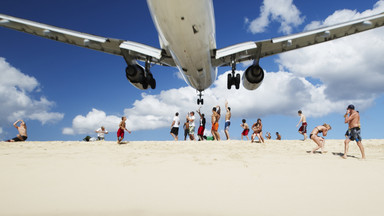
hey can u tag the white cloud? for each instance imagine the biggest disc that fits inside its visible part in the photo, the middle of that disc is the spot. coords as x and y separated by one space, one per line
91 122
16 98
349 68
282 11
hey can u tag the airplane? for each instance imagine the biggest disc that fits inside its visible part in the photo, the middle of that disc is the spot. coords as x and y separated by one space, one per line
188 41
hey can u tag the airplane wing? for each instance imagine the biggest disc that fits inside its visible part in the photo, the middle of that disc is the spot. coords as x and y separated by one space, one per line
128 49
259 49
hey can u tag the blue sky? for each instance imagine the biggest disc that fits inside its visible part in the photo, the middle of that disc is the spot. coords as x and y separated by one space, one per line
65 92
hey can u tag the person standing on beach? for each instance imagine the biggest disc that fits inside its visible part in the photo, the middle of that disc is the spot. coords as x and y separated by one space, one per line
303 128
227 120
22 136
186 129
191 120
122 128
245 129
200 132
175 127
320 141
352 118
100 133
215 122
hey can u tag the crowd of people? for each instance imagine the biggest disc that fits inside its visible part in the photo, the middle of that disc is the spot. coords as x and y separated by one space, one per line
352 118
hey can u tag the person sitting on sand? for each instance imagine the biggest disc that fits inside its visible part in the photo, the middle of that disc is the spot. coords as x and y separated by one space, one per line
320 141
246 129
100 133
268 135
120 131
278 136
22 136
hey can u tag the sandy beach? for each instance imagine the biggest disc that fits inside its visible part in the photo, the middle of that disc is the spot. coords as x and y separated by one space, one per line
190 178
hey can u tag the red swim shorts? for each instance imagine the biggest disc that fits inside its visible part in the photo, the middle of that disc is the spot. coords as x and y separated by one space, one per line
245 132
200 132
120 133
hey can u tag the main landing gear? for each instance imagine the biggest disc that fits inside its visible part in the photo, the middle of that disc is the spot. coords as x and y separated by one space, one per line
200 100
233 79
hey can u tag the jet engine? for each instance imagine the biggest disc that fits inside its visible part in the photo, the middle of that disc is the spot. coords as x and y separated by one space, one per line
253 77
139 77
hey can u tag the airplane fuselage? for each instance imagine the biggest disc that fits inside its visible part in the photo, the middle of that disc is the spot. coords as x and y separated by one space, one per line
187 31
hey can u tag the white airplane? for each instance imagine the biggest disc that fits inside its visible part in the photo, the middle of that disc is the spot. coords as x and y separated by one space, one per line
188 41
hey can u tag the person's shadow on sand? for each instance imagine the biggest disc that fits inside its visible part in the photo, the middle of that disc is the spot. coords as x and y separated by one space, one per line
316 152
342 154
123 142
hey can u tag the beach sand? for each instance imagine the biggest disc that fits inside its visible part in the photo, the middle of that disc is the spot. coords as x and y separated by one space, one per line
190 178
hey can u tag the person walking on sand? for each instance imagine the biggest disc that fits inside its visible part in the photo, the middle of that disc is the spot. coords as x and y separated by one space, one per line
175 127
191 120
200 132
320 141
101 132
278 136
227 120
303 128
22 136
352 118
122 128
215 122
245 129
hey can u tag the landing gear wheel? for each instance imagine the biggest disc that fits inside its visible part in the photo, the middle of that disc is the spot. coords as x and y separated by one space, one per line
229 81
237 81
200 101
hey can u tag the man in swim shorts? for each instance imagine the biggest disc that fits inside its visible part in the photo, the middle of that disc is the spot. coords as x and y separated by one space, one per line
227 120
352 117
246 129
303 128
215 122
120 131
175 127
22 136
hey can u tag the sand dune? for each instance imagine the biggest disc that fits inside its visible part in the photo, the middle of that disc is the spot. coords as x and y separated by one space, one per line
190 178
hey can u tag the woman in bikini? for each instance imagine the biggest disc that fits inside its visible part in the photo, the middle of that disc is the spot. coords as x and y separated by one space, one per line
320 141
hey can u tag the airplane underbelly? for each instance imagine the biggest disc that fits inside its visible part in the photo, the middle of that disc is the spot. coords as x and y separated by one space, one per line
186 29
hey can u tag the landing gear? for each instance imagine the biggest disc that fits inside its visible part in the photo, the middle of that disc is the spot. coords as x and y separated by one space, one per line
233 79
149 77
200 100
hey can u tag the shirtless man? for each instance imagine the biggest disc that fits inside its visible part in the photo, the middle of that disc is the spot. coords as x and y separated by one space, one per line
352 117
22 136
215 122
268 135
303 128
227 120
246 129
122 128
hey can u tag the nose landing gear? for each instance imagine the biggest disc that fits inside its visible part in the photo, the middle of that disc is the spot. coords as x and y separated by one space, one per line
200 100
